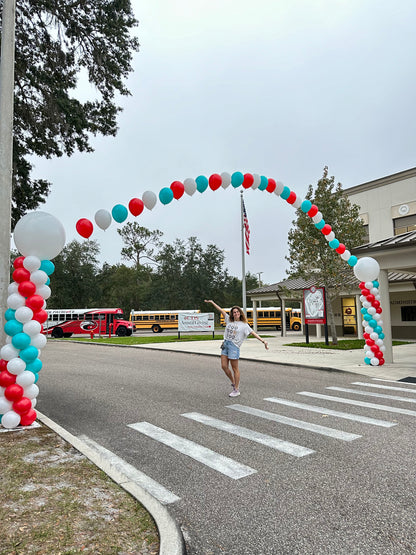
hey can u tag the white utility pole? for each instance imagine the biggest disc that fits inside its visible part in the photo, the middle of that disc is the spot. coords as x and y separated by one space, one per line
6 149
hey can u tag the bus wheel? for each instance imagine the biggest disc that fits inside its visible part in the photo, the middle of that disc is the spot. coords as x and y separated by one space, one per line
122 331
57 333
156 328
296 326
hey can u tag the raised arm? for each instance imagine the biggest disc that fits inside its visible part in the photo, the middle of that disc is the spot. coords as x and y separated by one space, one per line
217 307
260 339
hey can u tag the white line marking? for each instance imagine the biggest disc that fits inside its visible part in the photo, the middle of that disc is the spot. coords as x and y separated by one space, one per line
369 394
132 474
384 387
391 381
269 441
214 460
358 403
316 428
322 410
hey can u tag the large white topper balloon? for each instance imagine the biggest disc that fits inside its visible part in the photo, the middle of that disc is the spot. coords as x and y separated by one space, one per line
39 234
367 269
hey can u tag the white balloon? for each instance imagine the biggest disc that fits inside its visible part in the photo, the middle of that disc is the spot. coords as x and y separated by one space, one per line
368 285
39 234
317 218
10 419
34 402
330 236
369 354
379 342
346 255
8 352
383 348
371 310
5 404
44 291
149 199
363 299
257 181
368 329
13 288
279 188
190 186
39 341
32 327
226 180
15 300
31 391
16 366
377 317
373 336
23 314
39 277
297 203
374 291
374 361
26 378
366 304
103 218
8 339
366 269
31 263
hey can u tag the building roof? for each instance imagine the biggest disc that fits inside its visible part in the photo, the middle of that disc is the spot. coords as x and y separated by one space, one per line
397 241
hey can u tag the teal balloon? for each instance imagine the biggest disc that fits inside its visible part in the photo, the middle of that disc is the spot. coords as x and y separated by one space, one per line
367 360
9 314
166 195
352 261
263 183
373 323
376 283
363 310
306 206
237 179
201 183
285 193
48 281
29 354
36 377
12 327
47 266
320 225
21 341
334 244
379 329
35 366
119 213
367 317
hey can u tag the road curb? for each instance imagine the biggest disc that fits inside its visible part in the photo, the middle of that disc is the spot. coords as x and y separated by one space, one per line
171 538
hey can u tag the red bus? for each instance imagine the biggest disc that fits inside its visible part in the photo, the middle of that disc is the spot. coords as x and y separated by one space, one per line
100 321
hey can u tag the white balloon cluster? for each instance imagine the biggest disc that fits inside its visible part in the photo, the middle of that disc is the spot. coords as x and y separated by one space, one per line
39 237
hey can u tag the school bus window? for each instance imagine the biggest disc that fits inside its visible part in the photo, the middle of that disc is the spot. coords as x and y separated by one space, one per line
145 317
156 316
272 315
266 315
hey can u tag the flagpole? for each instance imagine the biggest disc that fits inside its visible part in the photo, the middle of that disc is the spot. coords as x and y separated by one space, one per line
243 260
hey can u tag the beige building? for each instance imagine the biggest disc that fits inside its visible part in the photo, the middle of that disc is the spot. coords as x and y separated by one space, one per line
388 210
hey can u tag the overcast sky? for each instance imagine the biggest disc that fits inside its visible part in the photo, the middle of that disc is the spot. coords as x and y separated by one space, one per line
280 88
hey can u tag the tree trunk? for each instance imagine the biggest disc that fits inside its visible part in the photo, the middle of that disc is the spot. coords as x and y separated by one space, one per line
330 317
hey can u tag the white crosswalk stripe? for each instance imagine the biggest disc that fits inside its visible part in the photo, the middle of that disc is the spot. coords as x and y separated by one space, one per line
376 406
370 394
315 428
229 467
378 386
268 441
323 410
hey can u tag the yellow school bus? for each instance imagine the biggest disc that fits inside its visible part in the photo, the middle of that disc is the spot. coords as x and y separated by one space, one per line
157 320
270 316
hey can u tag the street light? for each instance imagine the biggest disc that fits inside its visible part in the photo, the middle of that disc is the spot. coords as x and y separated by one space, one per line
259 274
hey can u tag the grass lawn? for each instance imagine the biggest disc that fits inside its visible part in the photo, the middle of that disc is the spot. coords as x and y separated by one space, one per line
132 340
343 344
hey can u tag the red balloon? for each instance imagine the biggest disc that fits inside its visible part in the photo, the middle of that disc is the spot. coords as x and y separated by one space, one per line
370 298
341 248
3 364
248 180
215 181
28 418
18 262
379 355
21 274
40 316
178 189
136 206
6 378
381 362
27 288
374 348
376 304
366 336
35 302
362 285
370 342
326 230
13 392
291 198
365 292
271 185
22 406
84 227
313 211
379 310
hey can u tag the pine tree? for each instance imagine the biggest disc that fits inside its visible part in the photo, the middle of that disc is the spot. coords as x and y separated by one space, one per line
309 253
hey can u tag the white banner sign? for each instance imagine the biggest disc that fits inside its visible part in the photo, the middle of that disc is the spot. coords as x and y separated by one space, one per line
196 322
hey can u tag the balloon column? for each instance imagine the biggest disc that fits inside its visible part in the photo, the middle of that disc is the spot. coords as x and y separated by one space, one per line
39 237
362 268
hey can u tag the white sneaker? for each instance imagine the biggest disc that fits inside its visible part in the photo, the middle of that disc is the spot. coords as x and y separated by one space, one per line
234 393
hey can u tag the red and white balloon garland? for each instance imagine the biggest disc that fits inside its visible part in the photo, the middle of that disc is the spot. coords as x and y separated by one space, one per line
369 266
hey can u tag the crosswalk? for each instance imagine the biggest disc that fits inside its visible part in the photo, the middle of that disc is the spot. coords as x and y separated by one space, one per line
236 470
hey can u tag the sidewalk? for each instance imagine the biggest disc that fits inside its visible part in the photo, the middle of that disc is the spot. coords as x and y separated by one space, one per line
404 356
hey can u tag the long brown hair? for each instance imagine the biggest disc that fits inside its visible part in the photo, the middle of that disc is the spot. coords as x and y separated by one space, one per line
242 315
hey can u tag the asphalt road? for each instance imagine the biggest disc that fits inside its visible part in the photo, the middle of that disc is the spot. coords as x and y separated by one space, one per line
344 494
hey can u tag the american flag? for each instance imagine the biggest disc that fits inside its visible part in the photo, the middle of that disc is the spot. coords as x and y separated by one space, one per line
246 229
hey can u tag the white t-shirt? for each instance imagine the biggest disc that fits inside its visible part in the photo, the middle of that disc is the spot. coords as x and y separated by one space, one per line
236 331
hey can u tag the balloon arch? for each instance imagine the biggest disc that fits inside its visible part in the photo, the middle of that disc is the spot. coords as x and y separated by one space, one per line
39 237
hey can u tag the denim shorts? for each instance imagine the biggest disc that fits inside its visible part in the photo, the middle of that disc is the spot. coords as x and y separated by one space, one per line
230 350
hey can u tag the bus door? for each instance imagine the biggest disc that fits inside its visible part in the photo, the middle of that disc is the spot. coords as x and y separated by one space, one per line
288 315
109 323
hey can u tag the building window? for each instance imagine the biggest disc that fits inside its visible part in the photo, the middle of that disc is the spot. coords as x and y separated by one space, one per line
366 234
405 224
408 313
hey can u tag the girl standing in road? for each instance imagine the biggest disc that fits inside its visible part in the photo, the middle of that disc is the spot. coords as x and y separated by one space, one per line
236 330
